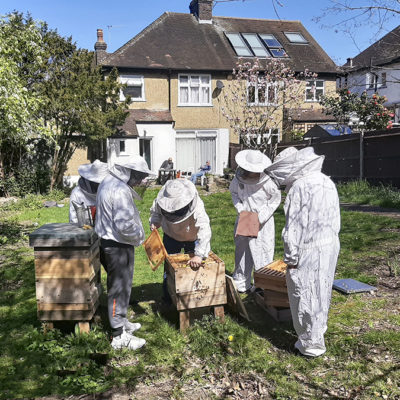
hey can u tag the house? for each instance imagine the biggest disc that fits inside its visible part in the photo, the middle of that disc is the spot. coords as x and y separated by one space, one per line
176 70
376 70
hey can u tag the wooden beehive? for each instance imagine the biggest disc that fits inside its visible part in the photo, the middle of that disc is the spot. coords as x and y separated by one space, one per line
272 277
196 287
67 272
274 299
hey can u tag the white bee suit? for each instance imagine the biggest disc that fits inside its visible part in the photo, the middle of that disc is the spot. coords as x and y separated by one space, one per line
263 198
311 243
117 217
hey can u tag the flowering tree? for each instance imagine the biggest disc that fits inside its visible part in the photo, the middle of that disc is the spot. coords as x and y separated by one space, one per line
370 111
254 100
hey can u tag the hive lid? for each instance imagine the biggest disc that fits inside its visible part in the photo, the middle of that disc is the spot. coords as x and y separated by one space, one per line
62 235
155 250
349 286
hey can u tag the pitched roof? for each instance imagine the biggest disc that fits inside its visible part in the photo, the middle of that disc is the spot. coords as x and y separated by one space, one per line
178 41
308 115
129 128
383 51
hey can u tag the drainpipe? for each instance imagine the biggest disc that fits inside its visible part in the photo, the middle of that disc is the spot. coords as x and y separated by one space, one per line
169 90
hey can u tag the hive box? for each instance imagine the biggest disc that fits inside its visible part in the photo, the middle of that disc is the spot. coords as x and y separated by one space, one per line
196 287
274 298
67 272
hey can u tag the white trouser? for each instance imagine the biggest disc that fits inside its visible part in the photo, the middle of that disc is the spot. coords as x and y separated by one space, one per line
253 253
310 288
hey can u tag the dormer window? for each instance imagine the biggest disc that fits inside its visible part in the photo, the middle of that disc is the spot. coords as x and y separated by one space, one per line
295 37
256 45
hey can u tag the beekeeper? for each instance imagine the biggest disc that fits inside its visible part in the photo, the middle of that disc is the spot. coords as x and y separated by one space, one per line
120 230
85 192
180 212
253 190
311 242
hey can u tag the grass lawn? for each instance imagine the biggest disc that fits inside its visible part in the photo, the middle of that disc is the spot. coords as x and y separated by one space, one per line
363 338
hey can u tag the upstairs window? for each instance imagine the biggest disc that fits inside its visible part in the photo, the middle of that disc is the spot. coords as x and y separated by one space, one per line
314 90
194 90
261 94
273 45
383 79
134 88
295 37
239 45
371 81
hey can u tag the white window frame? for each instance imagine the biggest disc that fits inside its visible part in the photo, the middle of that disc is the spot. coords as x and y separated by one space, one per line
302 40
267 89
119 146
201 85
312 85
132 80
370 81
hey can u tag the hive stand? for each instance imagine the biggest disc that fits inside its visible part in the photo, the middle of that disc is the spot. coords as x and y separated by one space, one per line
67 274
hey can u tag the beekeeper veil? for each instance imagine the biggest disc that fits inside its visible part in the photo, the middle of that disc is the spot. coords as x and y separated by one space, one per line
134 171
91 176
291 164
251 166
177 200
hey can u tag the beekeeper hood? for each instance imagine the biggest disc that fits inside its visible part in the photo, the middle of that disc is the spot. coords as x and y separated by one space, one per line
177 199
292 164
132 170
251 166
94 172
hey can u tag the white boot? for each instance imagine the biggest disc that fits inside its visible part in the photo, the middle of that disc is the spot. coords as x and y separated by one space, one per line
127 340
131 327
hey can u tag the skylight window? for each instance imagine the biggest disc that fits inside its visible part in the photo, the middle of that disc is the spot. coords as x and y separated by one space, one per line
239 45
256 45
295 37
273 45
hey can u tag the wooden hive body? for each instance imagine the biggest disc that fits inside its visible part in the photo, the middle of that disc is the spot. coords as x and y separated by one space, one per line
193 288
274 299
67 272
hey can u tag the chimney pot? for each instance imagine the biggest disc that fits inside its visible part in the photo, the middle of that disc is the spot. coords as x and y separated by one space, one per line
100 37
202 9
350 61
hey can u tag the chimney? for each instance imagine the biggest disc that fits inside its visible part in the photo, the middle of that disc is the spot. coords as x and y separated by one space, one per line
350 62
100 47
202 9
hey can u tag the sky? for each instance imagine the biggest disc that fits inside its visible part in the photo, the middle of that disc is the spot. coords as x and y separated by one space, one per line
123 19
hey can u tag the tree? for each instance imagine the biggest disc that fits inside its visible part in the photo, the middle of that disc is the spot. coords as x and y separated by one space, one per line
82 107
51 90
370 111
254 101
353 14
21 57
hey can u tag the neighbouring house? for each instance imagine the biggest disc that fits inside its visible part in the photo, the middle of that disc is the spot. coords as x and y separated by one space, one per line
176 70
376 70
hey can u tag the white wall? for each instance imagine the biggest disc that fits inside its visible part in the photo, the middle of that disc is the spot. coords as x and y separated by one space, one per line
357 83
162 139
